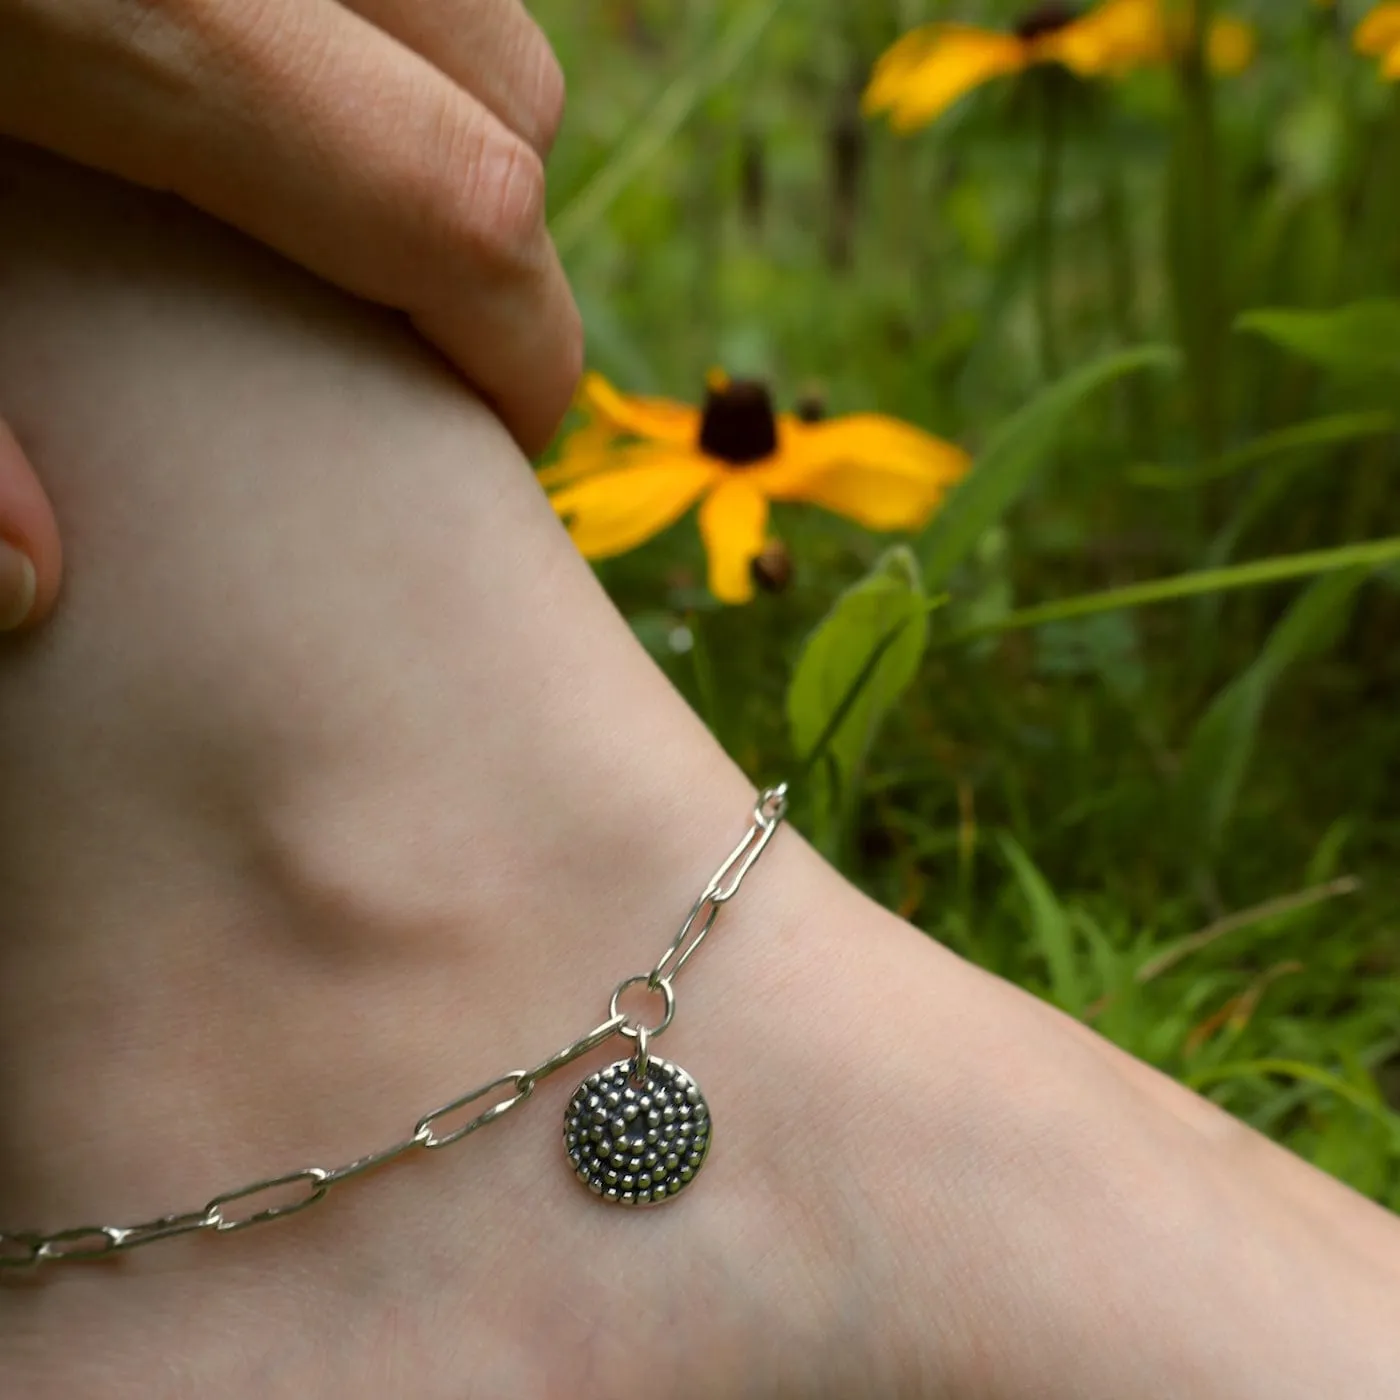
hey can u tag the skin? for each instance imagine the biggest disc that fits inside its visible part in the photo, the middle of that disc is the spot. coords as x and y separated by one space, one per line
383 799
256 111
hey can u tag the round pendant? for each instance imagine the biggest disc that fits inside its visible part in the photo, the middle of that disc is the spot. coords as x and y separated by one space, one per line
637 1141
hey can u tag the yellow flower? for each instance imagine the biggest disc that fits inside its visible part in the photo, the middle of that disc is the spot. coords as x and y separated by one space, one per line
930 68
1378 36
641 463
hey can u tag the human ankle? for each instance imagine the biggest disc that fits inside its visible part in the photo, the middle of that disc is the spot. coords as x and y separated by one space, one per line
386 945
356 839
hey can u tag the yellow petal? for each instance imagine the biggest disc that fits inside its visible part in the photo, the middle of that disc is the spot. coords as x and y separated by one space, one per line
1112 39
1121 35
931 68
879 472
589 449
893 67
612 512
1390 69
1231 46
595 447
734 526
657 420
1379 32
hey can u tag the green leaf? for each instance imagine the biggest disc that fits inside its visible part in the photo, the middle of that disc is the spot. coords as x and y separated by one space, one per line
1373 554
1222 743
1050 928
856 664
1363 337
1318 432
1017 451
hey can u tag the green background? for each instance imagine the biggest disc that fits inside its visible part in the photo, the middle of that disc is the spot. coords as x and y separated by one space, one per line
1175 813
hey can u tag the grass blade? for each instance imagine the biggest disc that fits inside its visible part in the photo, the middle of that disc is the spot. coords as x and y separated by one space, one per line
650 135
1373 554
1320 432
1222 743
1049 927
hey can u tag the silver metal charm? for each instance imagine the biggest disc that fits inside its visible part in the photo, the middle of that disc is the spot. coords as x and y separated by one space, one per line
637 1139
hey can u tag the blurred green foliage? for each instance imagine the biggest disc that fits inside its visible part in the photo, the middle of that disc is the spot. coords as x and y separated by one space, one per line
1175 809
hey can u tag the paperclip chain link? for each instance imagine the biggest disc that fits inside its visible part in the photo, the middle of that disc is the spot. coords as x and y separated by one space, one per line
294 1191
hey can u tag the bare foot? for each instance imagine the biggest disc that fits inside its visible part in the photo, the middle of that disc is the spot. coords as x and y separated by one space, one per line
337 787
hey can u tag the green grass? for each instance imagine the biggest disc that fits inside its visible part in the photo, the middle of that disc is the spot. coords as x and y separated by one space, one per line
1148 764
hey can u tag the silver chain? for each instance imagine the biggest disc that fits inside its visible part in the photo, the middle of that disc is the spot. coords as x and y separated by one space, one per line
440 1128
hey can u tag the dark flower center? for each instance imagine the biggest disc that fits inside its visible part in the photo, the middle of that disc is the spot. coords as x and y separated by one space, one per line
738 425
1046 19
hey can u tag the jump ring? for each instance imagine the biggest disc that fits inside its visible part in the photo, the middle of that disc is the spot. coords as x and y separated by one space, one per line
668 993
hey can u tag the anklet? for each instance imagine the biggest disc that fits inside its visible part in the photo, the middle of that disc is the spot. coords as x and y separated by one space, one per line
636 1132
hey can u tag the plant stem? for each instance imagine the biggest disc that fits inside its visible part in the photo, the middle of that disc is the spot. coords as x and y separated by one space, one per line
1379 263
1194 234
1047 206
1122 273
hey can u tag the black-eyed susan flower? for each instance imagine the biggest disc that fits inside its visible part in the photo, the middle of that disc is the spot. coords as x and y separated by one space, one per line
640 463
1378 36
930 68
